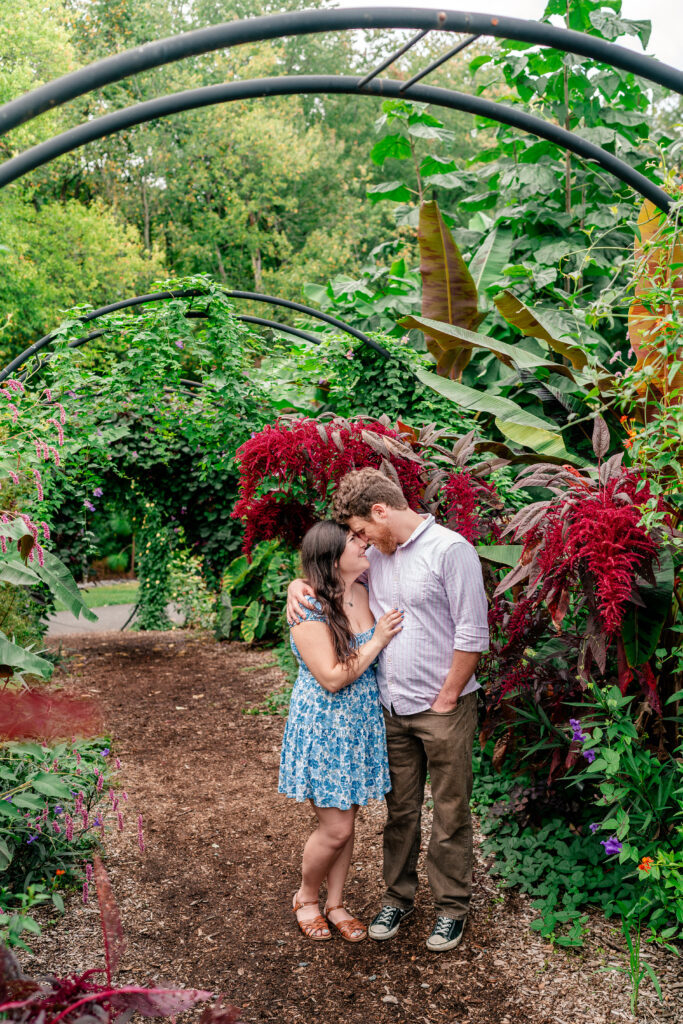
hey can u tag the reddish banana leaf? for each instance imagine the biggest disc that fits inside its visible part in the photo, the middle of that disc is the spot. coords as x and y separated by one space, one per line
449 293
112 930
658 266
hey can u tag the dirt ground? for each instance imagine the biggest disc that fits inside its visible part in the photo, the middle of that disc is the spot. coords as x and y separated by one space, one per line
207 905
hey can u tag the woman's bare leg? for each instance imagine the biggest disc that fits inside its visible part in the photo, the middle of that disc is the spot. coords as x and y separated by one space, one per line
323 848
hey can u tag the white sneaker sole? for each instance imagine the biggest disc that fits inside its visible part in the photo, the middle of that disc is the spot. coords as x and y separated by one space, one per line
384 935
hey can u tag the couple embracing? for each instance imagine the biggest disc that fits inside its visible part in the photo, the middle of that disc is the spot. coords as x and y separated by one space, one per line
390 590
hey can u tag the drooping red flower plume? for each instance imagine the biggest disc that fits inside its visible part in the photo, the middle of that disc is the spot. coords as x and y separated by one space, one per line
464 500
304 460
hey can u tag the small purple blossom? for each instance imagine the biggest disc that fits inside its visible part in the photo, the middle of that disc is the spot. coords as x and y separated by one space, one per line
105 752
89 505
59 810
612 845
577 734
98 492
594 826
98 821
180 344
589 755
31 839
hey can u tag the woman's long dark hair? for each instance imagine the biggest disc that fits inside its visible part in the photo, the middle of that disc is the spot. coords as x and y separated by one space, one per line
321 549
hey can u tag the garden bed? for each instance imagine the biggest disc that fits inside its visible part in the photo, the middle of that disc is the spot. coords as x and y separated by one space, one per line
207 904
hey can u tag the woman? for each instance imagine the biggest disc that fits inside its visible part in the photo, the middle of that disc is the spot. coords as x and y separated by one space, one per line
334 747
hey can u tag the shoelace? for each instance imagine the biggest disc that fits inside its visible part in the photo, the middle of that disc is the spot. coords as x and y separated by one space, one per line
385 916
442 927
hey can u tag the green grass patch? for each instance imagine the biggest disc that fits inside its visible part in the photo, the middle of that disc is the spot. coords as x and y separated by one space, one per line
98 597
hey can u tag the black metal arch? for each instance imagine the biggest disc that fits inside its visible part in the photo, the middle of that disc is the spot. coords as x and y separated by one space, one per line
298 84
139 300
164 51
294 23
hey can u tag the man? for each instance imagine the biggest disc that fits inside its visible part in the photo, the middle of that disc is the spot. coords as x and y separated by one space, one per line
428 692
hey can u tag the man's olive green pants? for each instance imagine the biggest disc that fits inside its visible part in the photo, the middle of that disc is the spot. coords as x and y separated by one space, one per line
440 744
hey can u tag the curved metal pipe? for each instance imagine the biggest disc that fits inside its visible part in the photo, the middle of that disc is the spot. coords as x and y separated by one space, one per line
297 84
139 300
294 23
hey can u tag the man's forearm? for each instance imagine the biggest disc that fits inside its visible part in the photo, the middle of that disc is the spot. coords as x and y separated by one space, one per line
463 665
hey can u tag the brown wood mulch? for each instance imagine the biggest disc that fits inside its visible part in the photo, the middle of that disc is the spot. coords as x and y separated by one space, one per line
207 904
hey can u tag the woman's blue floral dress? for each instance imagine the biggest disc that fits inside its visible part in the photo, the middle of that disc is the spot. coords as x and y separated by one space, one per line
334 750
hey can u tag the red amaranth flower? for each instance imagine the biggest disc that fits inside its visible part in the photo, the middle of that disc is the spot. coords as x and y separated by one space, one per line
313 455
462 496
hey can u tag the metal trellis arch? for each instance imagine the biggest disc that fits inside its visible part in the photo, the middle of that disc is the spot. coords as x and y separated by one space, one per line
139 300
295 23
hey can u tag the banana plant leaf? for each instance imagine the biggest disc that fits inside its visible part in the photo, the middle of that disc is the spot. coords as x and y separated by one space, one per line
12 656
542 324
501 554
512 356
449 293
62 584
539 439
479 401
491 259
659 265
642 625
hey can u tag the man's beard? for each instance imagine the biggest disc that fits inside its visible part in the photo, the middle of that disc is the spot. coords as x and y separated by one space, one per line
385 543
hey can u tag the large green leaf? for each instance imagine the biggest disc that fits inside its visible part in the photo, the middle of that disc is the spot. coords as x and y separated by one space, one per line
449 293
62 584
50 785
511 355
541 323
642 626
502 554
395 190
18 658
13 570
491 259
391 147
480 401
15 529
539 439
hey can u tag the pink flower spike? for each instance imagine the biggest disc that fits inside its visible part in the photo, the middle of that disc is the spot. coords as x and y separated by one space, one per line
46 531
120 821
118 764
112 794
41 555
84 818
48 394
78 758
69 828
62 414
14 478
100 783
115 804
15 413
3 545
88 872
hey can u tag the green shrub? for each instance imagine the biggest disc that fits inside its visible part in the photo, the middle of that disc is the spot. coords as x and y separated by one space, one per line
189 591
55 803
254 594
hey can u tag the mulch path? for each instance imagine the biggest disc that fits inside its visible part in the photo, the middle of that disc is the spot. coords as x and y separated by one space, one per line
207 904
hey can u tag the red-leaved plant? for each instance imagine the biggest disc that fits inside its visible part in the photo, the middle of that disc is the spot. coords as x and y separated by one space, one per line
77 999
289 470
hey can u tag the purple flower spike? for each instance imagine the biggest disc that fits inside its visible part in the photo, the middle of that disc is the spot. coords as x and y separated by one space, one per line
594 826
105 752
31 839
612 845
577 734
589 755
59 810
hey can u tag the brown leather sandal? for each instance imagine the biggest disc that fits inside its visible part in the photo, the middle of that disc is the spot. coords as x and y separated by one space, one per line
347 928
313 924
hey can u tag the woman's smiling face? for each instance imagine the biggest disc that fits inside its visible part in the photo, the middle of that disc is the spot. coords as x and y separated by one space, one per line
353 558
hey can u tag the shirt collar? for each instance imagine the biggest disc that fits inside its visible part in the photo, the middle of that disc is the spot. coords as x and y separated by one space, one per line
427 521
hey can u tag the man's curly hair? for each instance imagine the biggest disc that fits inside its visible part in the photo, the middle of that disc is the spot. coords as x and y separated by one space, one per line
360 489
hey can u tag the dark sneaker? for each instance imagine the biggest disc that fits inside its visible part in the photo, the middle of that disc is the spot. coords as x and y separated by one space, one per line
447 934
387 923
